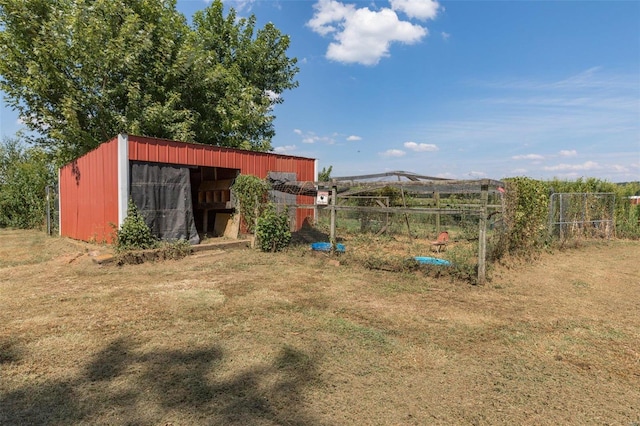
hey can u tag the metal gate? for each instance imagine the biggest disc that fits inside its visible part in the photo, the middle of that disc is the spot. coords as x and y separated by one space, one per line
581 214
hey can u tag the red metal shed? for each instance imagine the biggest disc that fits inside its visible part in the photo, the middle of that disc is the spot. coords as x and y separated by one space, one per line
95 188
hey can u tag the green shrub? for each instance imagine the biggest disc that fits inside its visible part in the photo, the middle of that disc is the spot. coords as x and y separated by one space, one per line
25 172
272 230
134 234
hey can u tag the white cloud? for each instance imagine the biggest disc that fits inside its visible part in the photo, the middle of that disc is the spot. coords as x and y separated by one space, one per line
286 149
477 174
528 157
366 37
328 12
392 153
568 153
362 35
619 168
445 36
312 137
354 138
588 165
420 9
420 147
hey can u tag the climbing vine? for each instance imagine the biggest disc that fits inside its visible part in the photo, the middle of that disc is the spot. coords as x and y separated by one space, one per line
525 215
252 194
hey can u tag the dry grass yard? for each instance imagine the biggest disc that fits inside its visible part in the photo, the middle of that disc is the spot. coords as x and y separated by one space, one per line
242 337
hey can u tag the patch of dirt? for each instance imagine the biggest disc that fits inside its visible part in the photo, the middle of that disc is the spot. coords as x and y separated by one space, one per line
244 337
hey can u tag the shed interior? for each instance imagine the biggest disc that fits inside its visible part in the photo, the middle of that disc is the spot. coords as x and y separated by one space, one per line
211 195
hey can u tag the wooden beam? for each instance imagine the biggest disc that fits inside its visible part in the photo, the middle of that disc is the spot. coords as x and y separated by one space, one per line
467 185
411 176
409 210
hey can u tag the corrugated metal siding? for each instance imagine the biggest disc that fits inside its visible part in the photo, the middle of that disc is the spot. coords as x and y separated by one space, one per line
248 162
89 194
255 163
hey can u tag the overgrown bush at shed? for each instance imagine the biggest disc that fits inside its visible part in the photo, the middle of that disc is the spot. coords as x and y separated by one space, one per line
134 234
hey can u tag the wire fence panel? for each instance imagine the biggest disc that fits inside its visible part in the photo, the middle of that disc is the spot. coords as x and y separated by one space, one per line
581 215
422 217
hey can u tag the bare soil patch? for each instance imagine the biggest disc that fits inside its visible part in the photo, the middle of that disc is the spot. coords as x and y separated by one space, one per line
243 337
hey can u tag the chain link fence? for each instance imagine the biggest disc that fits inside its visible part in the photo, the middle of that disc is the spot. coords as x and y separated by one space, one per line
582 215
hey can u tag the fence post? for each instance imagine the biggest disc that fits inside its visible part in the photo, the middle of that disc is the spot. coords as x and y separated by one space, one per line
561 218
332 236
551 214
48 209
404 204
482 240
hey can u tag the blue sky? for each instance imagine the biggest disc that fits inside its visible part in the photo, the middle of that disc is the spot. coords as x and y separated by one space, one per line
459 89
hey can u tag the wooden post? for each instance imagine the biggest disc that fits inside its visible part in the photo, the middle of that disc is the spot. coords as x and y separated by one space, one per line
551 215
482 243
386 224
404 204
48 190
561 219
256 212
332 235
436 196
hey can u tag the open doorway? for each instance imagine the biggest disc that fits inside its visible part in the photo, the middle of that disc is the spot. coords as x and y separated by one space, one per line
213 205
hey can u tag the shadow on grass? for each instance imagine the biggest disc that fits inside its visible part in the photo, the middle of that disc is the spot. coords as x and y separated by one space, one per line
9 351
125 385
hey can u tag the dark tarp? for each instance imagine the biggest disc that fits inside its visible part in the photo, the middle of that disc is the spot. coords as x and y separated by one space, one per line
162 193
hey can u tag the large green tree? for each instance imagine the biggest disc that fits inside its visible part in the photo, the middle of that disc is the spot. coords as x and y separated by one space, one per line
81 71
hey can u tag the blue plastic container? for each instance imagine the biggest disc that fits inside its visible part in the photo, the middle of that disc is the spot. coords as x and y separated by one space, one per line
432 261
327 247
